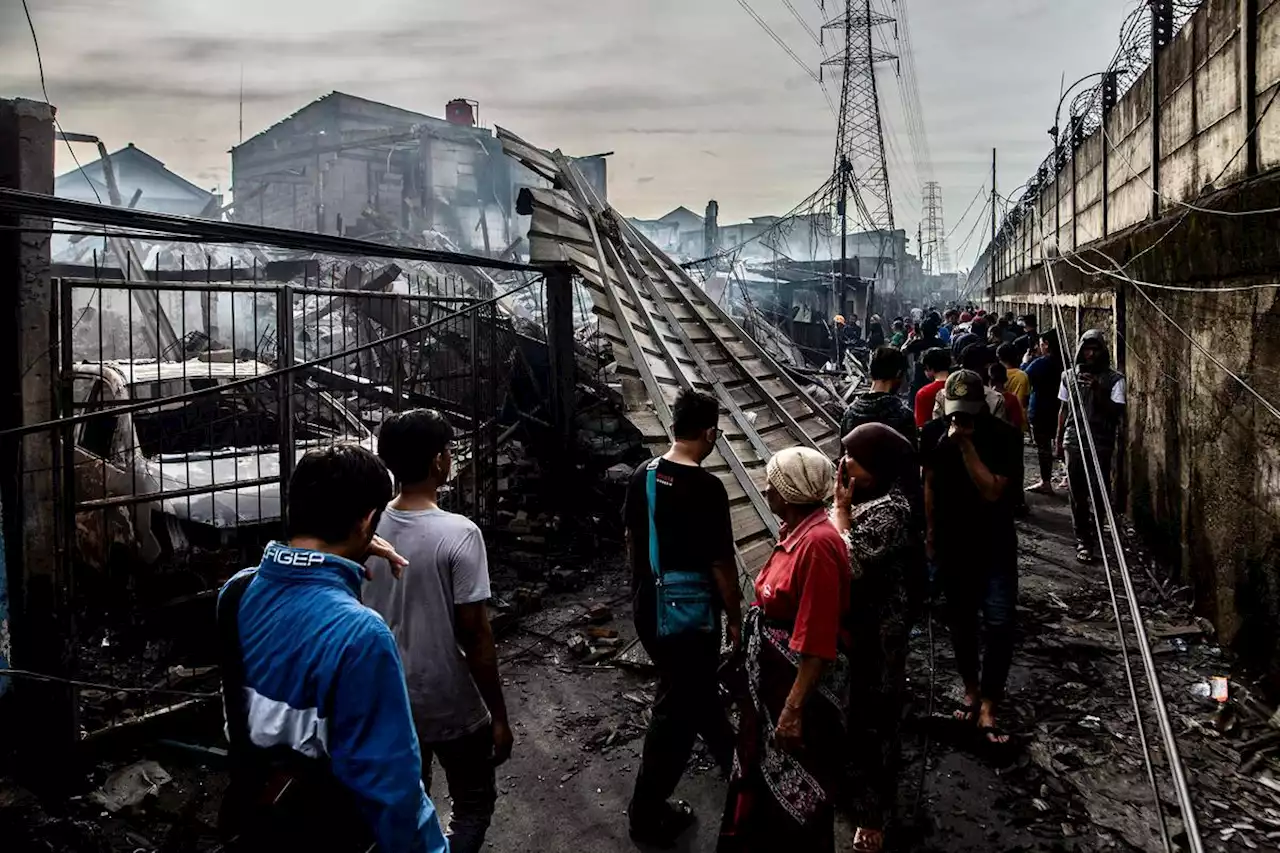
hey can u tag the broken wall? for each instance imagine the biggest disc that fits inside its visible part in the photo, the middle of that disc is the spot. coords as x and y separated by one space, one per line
346 165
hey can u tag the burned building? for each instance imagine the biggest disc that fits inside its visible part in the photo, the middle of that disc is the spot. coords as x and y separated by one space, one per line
347 165
142 181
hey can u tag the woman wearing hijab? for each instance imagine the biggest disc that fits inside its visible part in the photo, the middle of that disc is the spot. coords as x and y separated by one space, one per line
875 513
791 737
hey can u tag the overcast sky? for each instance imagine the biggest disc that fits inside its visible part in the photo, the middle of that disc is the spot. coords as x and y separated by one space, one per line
694 97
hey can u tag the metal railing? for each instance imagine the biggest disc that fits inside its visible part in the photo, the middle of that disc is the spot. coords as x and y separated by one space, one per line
171 472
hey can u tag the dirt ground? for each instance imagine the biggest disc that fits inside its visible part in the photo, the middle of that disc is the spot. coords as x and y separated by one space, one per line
1074 780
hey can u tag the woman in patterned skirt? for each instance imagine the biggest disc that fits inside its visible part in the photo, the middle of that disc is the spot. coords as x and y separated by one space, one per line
873 511
789 763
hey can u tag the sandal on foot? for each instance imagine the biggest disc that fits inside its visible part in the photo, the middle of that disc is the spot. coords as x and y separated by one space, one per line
1084 555
967 713
991 736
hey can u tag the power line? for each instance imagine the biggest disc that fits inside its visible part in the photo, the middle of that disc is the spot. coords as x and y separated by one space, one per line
1097 487
764 25
973 230
979 194
40 65
1172 753
808 205
808 29
1267 404
1177 288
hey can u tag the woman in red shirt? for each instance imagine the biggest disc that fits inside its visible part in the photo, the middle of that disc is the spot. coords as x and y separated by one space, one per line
791 736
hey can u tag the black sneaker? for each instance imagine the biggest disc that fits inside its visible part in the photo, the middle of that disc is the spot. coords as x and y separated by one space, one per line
663 828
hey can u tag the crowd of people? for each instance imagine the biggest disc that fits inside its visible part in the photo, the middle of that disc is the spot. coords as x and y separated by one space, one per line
359 651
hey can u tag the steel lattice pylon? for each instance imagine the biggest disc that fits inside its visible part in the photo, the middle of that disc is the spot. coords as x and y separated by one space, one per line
935 256
860 134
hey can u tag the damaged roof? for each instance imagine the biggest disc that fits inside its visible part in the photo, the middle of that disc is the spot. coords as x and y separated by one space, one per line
668 335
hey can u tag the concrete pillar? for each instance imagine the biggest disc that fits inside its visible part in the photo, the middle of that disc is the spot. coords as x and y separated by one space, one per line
42 625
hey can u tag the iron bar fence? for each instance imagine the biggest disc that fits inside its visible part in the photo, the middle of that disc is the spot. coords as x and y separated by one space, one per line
171 454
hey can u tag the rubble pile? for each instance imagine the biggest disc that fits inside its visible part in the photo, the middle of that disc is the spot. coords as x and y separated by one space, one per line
1072 696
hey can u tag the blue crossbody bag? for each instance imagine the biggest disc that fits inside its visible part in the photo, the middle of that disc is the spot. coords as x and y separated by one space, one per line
686 600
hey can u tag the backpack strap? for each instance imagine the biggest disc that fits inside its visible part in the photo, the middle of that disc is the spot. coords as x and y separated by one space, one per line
651 492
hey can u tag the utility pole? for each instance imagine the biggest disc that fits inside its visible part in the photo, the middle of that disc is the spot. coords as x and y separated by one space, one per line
839 283
992 263
39 534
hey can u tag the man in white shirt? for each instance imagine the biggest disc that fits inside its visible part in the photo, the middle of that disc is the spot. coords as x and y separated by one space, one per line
1098 391
438 612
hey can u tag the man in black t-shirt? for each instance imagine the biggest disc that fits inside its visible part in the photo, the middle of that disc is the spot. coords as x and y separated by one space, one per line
691 516
973 474
1030 339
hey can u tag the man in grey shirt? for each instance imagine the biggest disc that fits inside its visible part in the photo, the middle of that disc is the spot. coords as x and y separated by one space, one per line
438 613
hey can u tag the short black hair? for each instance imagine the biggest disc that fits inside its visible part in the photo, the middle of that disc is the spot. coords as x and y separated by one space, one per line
409 442
1006 354
998 374
976 356
888 363
937 359
333 489
693 414
1030 321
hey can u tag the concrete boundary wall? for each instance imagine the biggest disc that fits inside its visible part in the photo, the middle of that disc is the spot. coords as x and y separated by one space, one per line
1201 474
1218 62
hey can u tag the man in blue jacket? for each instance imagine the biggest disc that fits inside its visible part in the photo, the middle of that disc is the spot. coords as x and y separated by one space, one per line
322 741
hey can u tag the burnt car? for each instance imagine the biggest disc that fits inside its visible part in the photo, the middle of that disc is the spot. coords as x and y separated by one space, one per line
210 465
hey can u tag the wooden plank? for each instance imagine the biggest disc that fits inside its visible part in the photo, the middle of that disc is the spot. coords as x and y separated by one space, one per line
745 519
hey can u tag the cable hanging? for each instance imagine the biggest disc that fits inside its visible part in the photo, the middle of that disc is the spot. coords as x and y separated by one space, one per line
1170 741
1096 484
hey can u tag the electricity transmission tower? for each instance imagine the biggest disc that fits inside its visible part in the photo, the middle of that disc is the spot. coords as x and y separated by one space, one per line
935 256
860 148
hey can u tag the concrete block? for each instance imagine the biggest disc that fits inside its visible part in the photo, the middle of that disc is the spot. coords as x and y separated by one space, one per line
1268 48
1178 118
1216 158
1218 87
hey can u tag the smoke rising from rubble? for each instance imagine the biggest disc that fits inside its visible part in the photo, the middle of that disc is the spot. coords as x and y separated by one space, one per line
652 81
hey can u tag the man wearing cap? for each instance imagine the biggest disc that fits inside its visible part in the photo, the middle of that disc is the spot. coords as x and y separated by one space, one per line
973 468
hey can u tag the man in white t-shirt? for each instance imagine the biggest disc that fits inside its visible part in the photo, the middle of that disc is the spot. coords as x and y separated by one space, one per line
439 615
1091 390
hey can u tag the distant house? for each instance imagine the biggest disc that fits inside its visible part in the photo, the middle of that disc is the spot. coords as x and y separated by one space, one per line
685 219
162 191
348 165
679 232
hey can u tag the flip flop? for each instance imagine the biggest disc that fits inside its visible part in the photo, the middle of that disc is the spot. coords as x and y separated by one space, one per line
868 841
967 713
988 733
1084 555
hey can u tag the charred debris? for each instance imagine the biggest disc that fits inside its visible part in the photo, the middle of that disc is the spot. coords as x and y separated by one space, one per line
170 501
